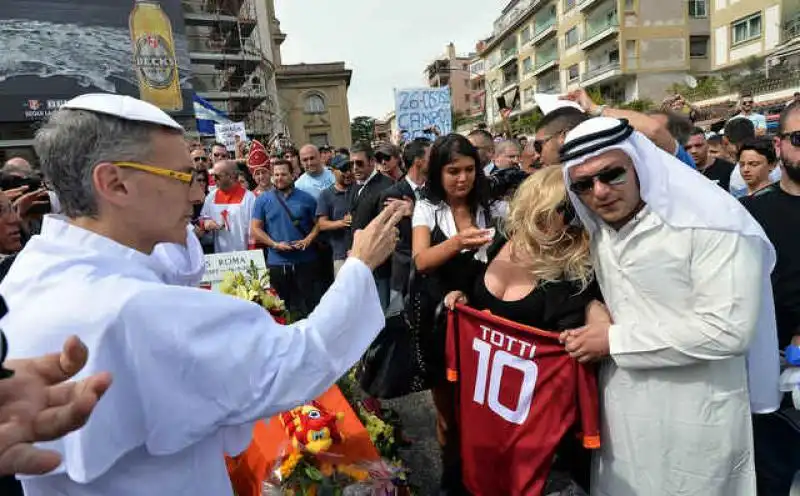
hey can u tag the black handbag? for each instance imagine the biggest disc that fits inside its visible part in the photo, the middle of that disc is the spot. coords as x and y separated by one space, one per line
398 362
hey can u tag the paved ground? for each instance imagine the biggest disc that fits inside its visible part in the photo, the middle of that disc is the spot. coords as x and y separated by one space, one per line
422 457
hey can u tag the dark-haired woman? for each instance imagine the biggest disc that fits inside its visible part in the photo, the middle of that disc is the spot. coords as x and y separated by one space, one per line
451 230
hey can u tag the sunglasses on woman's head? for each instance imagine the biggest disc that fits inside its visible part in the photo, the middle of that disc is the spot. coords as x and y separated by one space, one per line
610 177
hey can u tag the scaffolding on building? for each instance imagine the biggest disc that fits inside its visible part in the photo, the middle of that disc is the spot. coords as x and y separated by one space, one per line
231 67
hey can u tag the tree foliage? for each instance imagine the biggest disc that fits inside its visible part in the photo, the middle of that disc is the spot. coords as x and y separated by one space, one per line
362 128
526 124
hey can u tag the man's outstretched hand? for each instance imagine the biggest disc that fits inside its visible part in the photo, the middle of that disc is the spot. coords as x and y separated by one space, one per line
36 404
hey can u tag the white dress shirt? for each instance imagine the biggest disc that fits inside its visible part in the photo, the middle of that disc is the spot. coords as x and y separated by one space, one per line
192 369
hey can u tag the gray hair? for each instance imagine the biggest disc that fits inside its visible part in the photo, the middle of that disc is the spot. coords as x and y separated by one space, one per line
501 147
74 142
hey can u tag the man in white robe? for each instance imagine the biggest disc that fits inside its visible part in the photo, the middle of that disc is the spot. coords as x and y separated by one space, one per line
228 209
192 369
684 270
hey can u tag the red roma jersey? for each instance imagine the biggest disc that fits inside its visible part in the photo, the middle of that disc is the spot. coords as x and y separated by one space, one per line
518 394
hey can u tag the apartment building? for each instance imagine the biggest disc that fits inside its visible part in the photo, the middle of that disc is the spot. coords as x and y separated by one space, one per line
626 49
743 29
477 85
453 70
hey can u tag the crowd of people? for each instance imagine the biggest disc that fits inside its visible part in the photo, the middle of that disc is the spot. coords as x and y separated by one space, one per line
663 256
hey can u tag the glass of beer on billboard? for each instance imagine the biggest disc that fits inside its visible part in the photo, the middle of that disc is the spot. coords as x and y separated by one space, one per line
154 56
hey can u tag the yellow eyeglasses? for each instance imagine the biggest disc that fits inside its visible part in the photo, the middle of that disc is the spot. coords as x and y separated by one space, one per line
184 177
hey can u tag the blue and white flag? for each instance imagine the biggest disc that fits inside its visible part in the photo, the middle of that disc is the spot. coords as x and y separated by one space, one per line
207 115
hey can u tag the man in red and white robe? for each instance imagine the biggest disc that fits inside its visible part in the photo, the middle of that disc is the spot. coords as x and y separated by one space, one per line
228 209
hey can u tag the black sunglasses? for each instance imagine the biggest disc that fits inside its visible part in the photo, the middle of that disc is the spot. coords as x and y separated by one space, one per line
201 159
793 137
538 145
611 177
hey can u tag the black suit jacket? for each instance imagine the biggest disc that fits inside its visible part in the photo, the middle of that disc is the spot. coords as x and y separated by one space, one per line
401 259
366 206
401 189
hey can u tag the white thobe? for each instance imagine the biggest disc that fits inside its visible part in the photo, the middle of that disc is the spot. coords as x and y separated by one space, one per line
674 400
192 369
232 211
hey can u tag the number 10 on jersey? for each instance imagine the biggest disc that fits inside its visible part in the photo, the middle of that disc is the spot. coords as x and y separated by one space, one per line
491 365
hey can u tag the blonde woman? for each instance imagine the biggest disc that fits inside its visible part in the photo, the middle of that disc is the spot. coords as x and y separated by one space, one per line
539 274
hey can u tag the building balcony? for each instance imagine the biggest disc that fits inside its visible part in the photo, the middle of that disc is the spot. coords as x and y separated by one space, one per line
545 63
508 85
584 5
601 73
511 16
548 86
595 33
544 30
791 30
508 55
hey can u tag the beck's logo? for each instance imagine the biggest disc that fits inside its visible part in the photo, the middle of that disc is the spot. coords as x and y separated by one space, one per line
154 61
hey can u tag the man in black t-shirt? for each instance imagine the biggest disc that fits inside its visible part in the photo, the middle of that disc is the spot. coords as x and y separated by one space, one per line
777 208
333 211
716 169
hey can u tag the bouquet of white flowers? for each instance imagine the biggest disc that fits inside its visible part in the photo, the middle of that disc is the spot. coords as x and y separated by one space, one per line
255 287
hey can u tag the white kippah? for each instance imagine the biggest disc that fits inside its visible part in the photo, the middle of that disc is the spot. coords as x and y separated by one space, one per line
124 107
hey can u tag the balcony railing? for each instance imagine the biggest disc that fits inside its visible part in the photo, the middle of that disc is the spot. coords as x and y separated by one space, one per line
585 4
508 52
543 24
552 86
544 58
512 16
600 69
791 29
595 27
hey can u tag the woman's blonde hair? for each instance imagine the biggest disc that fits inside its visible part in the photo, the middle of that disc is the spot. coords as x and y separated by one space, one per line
549 254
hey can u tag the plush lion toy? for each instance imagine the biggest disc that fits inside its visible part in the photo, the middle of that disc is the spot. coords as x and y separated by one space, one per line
312 428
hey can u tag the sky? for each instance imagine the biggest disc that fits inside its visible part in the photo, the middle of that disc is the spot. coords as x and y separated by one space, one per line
387 44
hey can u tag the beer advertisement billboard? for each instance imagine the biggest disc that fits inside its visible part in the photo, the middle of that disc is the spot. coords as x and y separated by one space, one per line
53 50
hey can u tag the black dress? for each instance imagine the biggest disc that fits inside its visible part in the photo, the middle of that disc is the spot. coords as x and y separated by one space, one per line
457 273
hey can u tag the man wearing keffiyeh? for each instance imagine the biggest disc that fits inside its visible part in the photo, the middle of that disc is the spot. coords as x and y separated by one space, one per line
690 345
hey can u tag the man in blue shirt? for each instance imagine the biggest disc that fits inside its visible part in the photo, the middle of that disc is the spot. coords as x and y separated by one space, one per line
316 178
284 220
